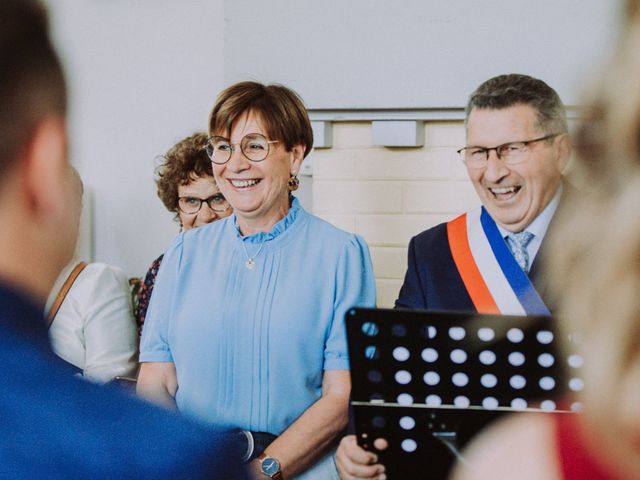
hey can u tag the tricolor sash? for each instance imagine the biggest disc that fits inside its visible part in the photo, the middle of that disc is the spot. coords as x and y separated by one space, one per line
494 280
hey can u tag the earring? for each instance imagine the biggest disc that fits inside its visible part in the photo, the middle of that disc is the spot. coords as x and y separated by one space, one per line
293 183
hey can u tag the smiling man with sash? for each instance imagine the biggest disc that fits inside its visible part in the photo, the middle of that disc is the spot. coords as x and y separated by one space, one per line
487 260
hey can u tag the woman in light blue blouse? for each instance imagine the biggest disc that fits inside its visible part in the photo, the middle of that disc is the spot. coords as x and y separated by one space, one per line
246 323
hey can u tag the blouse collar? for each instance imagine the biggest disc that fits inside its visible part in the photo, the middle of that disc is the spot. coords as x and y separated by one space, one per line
278 229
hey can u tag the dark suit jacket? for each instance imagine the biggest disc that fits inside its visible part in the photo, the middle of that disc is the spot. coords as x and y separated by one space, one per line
53 425
432 281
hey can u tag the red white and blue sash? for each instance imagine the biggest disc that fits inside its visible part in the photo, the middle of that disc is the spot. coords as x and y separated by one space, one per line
494 280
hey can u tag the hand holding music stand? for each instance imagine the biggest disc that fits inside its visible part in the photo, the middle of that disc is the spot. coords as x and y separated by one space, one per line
428 382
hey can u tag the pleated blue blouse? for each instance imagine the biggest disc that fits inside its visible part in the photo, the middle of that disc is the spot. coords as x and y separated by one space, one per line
250 345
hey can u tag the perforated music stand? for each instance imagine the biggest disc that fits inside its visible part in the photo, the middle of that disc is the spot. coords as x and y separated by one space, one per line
429 381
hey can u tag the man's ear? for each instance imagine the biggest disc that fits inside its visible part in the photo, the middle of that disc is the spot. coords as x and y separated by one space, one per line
45 169
296 156
564 151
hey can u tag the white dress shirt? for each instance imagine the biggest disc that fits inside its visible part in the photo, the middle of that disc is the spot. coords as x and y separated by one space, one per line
538 227
94 328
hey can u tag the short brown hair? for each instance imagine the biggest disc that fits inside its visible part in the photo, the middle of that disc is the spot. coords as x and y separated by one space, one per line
506 91
280 108
32 84
183 163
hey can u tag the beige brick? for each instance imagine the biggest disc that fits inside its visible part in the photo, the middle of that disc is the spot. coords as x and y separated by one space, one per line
334 164
389 262
445 134
340 197
400 164
395 230
458 169
387 292
351 134
345 222
439 197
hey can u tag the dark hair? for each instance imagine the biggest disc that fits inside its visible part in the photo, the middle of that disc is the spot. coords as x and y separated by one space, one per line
280 108
183 163
506 91
32 84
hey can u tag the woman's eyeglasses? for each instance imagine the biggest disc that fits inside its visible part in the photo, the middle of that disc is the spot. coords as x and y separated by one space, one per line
192 205
254 146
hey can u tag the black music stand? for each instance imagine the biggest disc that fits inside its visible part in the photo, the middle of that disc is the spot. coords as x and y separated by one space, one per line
429 381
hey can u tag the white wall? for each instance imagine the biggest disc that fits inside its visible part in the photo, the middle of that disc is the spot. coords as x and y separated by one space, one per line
388 195
142 74
413 53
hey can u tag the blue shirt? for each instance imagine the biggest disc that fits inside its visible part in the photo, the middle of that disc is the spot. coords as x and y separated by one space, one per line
250 345
55 426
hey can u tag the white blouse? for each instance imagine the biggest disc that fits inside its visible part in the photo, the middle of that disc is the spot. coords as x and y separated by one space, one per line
94 328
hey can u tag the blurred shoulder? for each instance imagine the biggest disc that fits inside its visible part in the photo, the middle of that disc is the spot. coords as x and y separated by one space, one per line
166 446
519 446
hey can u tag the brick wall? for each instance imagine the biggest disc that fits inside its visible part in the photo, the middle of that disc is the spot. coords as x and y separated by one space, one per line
388 195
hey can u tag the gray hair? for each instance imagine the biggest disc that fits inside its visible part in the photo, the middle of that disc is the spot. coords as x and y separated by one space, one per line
506 91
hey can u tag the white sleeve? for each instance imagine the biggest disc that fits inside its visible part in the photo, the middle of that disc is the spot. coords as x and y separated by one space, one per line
100 302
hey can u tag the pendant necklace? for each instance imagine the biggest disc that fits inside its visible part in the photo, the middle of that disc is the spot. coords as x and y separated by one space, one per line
251 261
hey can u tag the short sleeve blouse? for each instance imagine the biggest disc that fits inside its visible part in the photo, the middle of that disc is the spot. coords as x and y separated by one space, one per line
250 345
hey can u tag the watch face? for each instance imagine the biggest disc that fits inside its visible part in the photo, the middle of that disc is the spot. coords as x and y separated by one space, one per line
270 466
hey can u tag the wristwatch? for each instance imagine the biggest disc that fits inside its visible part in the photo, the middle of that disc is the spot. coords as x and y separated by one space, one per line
269 466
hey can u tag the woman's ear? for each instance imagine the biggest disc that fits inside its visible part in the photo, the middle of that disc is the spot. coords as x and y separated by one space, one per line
296 156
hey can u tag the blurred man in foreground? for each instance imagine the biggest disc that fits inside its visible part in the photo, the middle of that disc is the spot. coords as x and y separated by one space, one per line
53 425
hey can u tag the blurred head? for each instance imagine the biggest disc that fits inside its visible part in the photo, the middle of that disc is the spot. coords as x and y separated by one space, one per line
595 261
186 185
259 136
34 175
32 84
516 147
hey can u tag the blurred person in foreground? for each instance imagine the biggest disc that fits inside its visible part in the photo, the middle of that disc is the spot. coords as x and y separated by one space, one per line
187 189
246 323
595 265
54 425
91 323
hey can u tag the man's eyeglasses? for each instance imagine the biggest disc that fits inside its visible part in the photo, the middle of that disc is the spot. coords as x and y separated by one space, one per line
192 205
254 146
510 153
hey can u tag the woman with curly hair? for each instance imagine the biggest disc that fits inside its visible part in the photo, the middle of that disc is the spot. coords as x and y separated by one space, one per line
187 188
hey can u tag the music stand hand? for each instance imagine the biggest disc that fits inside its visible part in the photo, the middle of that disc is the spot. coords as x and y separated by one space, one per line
355 463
